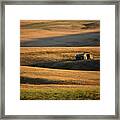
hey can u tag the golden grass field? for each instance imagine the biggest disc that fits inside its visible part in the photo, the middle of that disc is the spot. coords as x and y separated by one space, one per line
48 28
47 75
30 55
48 67
57 83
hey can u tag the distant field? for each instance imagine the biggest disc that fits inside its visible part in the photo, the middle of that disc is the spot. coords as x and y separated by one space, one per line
45 50
59 92
59 33
31 29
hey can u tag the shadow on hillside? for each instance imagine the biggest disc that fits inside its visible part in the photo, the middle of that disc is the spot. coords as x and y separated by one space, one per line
76 40
38 81
89 65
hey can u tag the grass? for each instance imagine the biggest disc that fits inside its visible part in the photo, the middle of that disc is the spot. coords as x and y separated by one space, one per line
34 55
56 84
31 29
57 92
83 85
51 73
35 75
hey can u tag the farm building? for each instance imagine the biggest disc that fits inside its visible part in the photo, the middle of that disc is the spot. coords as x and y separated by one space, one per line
84 56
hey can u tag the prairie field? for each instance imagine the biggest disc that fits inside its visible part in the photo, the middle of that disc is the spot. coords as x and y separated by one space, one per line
32 29
48 66
59 57
59 92
53 73
37 75
54 84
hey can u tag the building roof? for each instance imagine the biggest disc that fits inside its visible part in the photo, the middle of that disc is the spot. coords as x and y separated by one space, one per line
83 53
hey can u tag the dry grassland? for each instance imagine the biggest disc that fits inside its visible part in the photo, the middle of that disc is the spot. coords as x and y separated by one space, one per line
32 55
48 28
35 75
50 72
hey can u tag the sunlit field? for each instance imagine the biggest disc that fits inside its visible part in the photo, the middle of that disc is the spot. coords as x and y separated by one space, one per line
60 92
49 69
53 73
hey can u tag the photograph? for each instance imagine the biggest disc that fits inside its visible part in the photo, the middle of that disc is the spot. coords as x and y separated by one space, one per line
64 61
59 59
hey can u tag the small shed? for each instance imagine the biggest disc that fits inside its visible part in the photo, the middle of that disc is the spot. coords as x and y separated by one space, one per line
84 56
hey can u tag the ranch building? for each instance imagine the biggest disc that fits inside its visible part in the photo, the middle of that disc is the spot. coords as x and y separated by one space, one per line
84 56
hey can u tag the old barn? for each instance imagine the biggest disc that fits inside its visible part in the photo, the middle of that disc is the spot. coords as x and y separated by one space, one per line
84 56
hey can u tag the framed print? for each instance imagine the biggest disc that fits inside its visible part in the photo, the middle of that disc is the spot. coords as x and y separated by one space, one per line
60 59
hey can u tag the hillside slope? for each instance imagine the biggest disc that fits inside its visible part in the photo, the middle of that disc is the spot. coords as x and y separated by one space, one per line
76 40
